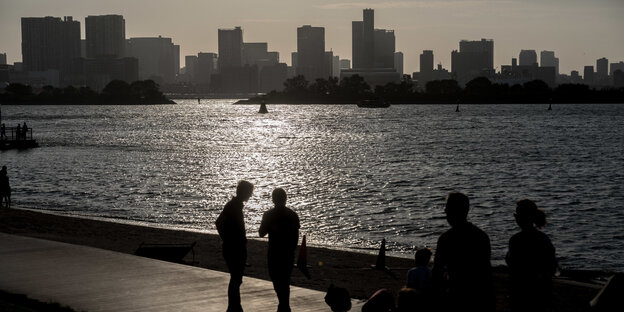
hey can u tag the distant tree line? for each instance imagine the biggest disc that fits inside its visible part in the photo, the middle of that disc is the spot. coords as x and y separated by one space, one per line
479 90
115 92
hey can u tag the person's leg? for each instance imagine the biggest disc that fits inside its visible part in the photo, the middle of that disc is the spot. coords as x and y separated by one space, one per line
236 265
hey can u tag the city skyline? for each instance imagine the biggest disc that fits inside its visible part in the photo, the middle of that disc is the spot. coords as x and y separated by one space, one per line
579 33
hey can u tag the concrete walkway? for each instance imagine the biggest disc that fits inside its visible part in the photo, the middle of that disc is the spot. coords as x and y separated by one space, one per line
90 279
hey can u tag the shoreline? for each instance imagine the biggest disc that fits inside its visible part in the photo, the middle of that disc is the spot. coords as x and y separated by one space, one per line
343 268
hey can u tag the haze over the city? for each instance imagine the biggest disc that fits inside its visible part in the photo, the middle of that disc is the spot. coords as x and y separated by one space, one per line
578 31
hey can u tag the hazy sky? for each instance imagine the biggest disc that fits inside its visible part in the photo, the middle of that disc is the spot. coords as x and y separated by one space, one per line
579 31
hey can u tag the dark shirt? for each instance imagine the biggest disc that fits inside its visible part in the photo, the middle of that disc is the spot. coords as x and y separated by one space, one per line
231 224
463 252
531 257
282 225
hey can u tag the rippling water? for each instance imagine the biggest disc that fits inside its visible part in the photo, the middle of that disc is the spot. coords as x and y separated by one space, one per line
355 176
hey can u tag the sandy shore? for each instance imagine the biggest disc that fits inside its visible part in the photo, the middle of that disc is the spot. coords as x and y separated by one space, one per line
342 268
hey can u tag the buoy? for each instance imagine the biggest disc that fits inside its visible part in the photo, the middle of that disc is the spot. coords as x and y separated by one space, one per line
381 257
549 106
302 260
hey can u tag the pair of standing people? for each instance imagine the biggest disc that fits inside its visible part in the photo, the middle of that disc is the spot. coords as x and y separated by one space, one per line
282 226
462 273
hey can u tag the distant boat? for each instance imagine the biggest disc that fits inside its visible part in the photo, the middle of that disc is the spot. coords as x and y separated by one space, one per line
263 109
373 104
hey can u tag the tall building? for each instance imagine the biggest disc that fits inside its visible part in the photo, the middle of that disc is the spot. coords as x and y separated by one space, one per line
528 58
345 64
311 58
398 62
588 75
616 66
474 59
230 48
3 59
50 43
190 65
426 61
384 43
105 36
548 59
205 68
157 58
602 67
363 40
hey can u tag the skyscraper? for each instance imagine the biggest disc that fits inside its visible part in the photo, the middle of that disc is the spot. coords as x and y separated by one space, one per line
3 59
49 43
230 48
426 61
602 67
105 36
398 62
528 58
474 58
157 58
588 75
548 59
384 44
311 53
363 40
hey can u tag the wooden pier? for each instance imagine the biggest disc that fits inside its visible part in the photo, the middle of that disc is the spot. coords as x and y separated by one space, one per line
15 138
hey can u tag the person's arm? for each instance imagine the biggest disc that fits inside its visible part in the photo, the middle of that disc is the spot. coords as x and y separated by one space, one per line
263 230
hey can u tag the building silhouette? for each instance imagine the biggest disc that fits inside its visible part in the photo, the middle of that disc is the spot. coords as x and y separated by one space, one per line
230 48
373 52
105 36
528 58
474 59
50 44
158 58
398 62
548 59
3 59
588 75
616 66
311 57
206 66
427 72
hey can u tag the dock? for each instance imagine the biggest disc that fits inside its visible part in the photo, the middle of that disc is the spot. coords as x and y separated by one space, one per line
91 279
15 138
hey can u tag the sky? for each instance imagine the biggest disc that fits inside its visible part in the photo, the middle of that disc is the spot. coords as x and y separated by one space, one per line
579 31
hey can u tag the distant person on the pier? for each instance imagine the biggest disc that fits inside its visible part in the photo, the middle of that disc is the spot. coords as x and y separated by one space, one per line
462 273
282 225
18 132
5 188
531 260
3 132
231 228
419 277
24 131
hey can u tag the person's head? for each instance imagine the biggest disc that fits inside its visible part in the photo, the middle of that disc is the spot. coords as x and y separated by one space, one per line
422 257
244 189
457 206
527 214
279 197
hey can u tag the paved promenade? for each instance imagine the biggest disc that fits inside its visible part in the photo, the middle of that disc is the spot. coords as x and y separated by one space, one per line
90 279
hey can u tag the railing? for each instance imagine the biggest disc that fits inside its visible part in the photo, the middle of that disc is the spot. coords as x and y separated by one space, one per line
15 134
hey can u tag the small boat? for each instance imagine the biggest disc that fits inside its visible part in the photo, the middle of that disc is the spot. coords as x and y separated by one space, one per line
263 108
373 104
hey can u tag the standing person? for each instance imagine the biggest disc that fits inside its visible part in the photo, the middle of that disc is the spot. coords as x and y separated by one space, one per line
531 260
2 132
24 131
231 227
282 225
5 188
462 273
18 132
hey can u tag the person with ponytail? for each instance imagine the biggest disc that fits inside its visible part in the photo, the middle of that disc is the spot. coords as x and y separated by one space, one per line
531 260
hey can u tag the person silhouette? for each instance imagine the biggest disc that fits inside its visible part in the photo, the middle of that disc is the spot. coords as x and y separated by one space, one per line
531 260
282 225
462 273
5 188
418 277
18 132
231 227
24 131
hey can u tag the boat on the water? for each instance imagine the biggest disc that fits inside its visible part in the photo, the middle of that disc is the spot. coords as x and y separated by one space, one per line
373 103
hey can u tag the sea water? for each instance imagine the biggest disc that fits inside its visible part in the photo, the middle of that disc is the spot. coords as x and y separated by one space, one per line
354 175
